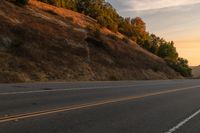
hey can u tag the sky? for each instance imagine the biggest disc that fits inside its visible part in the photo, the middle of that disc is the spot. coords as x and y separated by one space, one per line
177 20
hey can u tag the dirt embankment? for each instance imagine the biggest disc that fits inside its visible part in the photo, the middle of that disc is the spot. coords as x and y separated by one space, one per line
196 71
40 42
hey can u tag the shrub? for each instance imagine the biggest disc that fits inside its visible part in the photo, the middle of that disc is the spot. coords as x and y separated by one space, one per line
22 2
167 50
112 36
114 78
95 30
97 43
125 39
180 66
97 33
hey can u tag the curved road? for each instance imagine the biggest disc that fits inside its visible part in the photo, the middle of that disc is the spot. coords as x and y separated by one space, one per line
171 106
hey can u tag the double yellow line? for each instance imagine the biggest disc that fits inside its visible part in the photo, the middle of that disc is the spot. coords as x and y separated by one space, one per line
87 105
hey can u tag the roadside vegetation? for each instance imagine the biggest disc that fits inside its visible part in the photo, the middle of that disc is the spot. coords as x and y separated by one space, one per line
41 42
132 28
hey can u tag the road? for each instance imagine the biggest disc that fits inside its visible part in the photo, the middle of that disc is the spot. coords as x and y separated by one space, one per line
171 106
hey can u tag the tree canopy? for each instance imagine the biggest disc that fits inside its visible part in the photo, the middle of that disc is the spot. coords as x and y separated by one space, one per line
132 28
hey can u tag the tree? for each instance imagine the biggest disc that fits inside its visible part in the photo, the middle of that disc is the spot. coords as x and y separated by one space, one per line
132 28
181 66
167 50
138 24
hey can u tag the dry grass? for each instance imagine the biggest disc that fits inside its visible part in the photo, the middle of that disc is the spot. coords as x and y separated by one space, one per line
77 18
40 42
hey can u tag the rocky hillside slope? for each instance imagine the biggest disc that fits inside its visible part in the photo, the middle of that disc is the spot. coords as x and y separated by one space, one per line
40 42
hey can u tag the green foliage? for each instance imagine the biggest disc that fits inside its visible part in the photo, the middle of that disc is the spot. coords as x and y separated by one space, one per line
107 22
69 4
167 50
132 28
155 43
100 10
180 65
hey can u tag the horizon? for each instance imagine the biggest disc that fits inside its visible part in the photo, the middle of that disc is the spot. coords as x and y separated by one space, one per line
175 21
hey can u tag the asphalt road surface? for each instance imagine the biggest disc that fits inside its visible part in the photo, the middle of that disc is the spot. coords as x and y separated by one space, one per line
171 106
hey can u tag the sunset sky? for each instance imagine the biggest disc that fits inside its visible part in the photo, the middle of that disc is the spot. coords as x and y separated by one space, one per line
177 20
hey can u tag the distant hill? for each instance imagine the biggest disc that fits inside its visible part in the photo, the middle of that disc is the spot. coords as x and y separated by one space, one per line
196 71
40 42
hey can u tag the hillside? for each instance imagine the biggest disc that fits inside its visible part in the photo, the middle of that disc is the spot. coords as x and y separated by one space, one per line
40 42
196 71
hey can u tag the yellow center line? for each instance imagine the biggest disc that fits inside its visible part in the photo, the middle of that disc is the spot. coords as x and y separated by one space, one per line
87 105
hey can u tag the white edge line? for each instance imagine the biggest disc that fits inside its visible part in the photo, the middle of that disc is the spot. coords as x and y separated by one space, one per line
71 89
179 125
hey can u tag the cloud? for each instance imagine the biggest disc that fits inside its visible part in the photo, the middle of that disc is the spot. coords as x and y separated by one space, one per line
176 20
141 5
